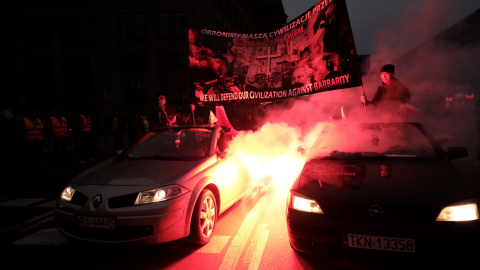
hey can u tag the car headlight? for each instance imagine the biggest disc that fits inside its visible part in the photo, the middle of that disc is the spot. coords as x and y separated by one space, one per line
159 194
303 203
462 211
67 194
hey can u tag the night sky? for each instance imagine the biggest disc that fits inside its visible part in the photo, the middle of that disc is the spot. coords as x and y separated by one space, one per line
367 17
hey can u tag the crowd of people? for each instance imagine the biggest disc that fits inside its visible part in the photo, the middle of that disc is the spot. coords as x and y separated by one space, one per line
57 134
40 134
63 138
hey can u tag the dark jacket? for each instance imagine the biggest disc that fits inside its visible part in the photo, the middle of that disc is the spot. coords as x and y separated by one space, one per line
158 117
395 91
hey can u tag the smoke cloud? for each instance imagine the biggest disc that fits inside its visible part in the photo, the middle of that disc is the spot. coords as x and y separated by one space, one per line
440 71
437 68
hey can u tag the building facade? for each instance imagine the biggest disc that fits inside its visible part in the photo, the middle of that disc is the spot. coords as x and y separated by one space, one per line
111 54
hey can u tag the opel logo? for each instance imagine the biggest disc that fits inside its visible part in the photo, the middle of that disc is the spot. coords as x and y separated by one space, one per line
375 211
97 200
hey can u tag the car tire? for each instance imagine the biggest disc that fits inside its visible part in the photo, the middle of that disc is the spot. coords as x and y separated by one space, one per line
204 218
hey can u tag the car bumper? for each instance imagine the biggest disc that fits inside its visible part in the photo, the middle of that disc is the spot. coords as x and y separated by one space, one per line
145 227
315 234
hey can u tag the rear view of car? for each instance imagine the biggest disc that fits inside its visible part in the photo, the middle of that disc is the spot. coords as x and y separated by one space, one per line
384 187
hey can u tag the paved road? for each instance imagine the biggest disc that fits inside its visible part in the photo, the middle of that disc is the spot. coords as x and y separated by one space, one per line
251 235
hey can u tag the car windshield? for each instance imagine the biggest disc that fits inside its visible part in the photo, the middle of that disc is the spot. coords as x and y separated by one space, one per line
175 144
372 140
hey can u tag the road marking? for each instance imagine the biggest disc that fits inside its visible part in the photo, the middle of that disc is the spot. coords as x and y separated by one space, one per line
232 256
216 244
38 223
49 204
22 202
45 237
256 248
36 219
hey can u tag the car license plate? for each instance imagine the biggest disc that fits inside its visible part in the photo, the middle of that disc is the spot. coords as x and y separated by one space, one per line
380 243
96 222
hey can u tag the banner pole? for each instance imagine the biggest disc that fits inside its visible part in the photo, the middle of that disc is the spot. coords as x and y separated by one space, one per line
365 103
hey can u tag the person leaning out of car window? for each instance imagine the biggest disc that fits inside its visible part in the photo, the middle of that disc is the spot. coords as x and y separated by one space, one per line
390 93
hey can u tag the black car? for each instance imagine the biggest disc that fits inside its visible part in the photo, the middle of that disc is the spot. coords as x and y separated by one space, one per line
381 187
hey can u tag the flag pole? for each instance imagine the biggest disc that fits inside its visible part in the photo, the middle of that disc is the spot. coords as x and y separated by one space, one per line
192 108
365 103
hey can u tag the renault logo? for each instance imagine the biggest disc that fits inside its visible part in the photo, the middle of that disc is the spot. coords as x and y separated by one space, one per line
97 200
375 211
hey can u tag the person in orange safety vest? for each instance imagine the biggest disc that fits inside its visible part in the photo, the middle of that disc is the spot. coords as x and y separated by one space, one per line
118 127
58 131
34 139
86 137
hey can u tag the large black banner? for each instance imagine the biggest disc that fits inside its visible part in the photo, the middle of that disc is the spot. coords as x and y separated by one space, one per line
313 53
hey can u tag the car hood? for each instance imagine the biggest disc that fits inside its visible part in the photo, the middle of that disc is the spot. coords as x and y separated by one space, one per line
141 172
405 189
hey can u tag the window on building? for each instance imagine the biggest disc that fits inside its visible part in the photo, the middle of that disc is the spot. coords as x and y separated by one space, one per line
40 87
74 29
6 32
219 4
228 10
133 26
172 74
77 81
37 31
134 79
163 25
178 25
8 77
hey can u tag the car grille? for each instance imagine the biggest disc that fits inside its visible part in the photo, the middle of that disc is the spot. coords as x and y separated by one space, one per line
79 199
118 234
393 214
122 201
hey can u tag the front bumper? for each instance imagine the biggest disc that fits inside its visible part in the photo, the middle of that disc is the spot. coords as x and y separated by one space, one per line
144 224
315 234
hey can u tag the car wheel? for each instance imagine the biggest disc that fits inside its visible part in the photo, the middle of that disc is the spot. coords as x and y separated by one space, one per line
204 218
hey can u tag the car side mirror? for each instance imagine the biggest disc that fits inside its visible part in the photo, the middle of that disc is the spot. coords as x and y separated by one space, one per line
455 152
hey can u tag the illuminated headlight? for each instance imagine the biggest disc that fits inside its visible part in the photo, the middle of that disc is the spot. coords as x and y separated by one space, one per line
67 194
303 203
463 211
159 194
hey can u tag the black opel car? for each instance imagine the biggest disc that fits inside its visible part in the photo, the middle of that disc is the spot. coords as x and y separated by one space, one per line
381 188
